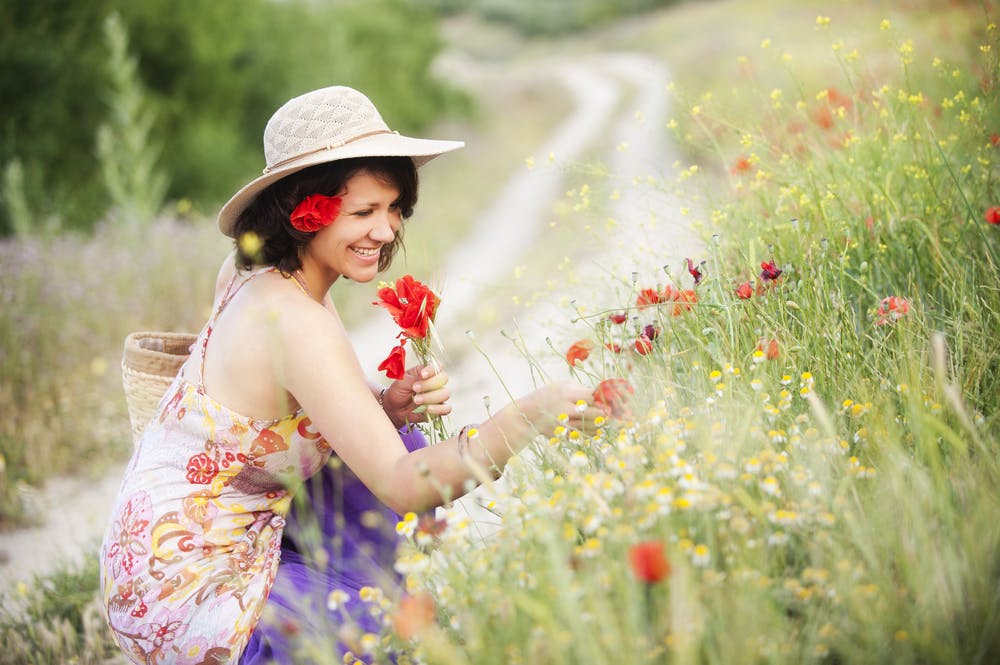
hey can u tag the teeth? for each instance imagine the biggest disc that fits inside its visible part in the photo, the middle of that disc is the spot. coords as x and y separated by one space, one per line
365 251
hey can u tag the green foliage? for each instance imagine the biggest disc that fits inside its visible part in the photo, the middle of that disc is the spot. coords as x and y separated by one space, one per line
531 17
57 618
213 73
69 302
128 161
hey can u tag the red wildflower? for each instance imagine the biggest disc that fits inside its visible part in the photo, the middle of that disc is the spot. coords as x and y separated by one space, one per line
683 302
579 351
414 614
648 561
670 292
411 304
613 347
647 297
314 212
836 99
742 165
643 345
744 291
995 139
614 394
394 365
618 317
651 332
769 347
769 271
823 117
993 215
428 525
891 309
695 272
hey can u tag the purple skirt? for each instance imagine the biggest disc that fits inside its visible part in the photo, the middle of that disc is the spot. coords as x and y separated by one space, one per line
338 537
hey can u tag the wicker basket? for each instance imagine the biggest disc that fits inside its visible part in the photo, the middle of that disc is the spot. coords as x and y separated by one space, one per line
150 363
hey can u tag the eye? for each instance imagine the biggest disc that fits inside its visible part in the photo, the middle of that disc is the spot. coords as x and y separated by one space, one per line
363 213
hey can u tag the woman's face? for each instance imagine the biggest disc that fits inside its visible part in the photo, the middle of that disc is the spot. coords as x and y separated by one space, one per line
351 244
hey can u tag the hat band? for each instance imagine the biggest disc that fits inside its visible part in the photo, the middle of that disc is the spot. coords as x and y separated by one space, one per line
303 155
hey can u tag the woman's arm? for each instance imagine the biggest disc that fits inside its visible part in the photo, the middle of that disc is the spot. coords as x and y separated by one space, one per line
323 374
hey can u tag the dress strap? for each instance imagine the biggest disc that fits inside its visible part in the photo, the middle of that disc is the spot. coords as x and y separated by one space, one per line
227 296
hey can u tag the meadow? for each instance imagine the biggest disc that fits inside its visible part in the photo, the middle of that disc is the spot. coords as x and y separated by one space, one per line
803 466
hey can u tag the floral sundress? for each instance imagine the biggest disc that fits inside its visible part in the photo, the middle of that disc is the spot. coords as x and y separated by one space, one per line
193 545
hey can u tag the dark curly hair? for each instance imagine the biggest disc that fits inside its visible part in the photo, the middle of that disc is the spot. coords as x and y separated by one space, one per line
267 216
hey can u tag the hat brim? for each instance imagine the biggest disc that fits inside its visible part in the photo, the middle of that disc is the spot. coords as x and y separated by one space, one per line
420 151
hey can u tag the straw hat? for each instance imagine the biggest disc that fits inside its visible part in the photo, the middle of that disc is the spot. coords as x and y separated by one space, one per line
323 126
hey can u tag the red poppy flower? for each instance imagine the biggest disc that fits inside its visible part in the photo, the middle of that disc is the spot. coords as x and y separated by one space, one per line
613 347
411 304
742 165
695 272
201 469
670 292
744 291
579 351
683 302
651 332
823 117
415 613
648 297
643 345
769 271
648 561
891 309
769 347
429 525
314 212
993 215
394 365
618 317
614 394
995 139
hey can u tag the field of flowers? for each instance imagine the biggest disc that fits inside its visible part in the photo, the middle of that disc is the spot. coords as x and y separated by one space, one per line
807 467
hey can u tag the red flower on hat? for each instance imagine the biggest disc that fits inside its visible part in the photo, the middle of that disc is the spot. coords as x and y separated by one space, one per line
613 394
579 351
648 561
314 212
411 304
394 365
993 215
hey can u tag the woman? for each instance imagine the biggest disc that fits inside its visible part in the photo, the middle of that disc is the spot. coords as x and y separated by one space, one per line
273 389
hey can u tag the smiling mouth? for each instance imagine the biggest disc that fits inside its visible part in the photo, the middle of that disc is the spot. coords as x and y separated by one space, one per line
366 252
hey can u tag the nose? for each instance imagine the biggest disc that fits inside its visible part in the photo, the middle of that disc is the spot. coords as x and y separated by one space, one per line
383 229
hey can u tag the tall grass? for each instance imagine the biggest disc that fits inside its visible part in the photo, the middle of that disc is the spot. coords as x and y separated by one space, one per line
819 461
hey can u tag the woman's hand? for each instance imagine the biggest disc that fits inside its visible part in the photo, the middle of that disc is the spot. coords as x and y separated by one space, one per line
543 407
420 387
